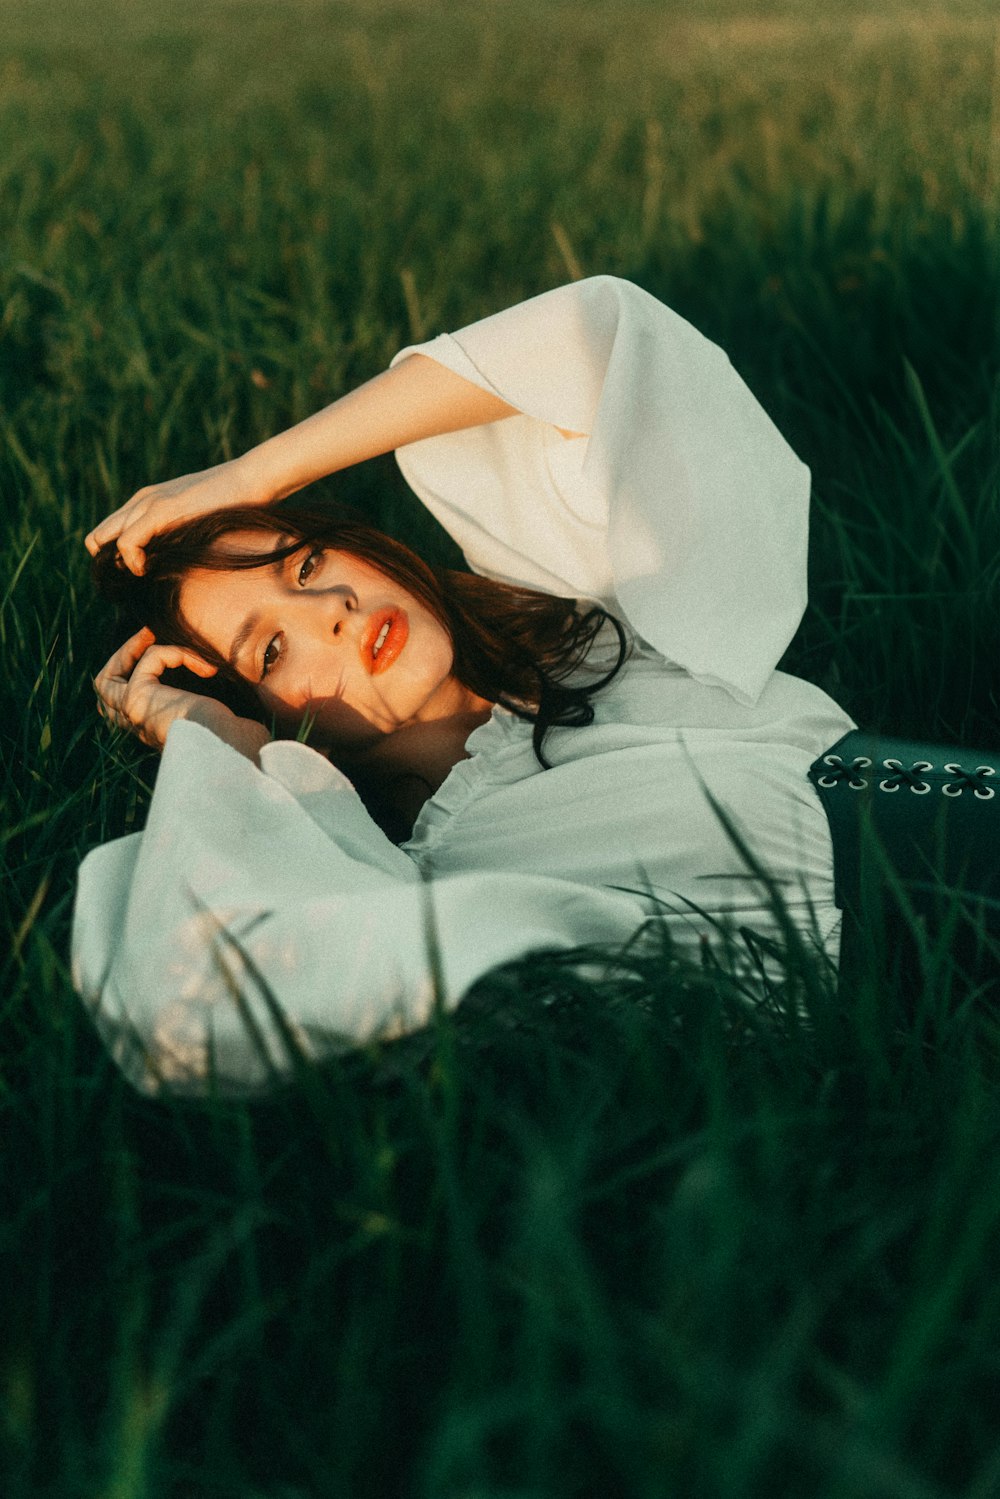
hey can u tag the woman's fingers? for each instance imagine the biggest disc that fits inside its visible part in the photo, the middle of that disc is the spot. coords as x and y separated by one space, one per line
198 665
121 663
100 535
140 659
160 507
160 658
111 527
128 682
140 525
131 527
132 545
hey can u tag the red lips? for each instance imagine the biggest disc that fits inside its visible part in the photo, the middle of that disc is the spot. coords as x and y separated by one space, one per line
395 638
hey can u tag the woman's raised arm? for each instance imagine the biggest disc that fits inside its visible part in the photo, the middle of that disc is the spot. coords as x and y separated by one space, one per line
415 399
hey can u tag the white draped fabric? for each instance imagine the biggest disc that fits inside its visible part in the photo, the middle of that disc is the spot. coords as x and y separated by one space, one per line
683 510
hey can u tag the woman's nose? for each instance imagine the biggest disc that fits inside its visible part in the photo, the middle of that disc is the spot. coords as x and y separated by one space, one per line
333 610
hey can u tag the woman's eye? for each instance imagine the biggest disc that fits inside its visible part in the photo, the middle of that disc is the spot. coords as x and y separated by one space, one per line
272 654
309 565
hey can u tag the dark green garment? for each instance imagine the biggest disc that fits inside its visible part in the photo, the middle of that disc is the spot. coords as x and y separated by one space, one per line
916 840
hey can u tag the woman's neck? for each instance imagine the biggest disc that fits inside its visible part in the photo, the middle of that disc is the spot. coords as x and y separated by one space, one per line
410 764
427 750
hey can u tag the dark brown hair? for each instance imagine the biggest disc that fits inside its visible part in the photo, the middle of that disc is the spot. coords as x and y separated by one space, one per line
513 646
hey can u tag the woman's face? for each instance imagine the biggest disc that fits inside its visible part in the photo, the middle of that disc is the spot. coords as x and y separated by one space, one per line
325 634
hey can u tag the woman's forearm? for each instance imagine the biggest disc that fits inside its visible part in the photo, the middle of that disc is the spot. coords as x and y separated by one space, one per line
415 399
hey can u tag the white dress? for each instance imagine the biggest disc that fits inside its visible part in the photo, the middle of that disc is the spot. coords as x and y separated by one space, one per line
682 510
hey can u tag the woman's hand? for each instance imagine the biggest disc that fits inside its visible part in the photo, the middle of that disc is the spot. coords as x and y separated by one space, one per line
159 507
415 399
133 697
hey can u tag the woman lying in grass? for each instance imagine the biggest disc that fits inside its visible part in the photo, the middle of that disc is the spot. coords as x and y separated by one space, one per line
586 733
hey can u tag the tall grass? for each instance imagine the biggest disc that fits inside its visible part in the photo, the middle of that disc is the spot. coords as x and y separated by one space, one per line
615 1234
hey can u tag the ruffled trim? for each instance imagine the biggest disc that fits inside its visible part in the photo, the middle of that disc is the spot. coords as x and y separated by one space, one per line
500 750
490 749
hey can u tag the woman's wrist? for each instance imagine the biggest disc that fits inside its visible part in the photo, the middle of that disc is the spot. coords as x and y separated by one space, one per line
257 476
285 463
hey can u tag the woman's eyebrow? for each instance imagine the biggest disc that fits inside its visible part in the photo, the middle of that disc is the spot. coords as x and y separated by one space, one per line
251 622
241 637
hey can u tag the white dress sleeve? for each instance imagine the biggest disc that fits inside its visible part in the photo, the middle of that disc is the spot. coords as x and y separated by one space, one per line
682 508
263 911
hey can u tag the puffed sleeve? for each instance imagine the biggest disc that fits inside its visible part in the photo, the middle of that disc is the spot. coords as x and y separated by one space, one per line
262 912
681 507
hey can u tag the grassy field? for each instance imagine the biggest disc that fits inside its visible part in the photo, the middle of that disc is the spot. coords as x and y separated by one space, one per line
623 1237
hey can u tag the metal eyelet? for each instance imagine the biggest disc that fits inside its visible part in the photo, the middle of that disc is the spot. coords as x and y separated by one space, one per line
922 765
893 764
884 785
984 793
842 771
921 789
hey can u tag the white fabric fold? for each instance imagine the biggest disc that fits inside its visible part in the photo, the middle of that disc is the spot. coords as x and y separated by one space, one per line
684 510
250 883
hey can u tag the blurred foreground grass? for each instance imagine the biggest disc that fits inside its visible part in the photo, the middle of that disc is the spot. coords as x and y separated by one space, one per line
580 1238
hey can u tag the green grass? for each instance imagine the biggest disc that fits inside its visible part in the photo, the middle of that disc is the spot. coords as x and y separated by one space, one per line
616 1236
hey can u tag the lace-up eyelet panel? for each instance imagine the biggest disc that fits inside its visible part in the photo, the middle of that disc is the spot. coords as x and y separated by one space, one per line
973 780
847 773
939 840
920 777
901 776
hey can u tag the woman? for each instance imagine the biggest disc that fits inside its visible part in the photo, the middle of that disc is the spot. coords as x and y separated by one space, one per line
587 445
